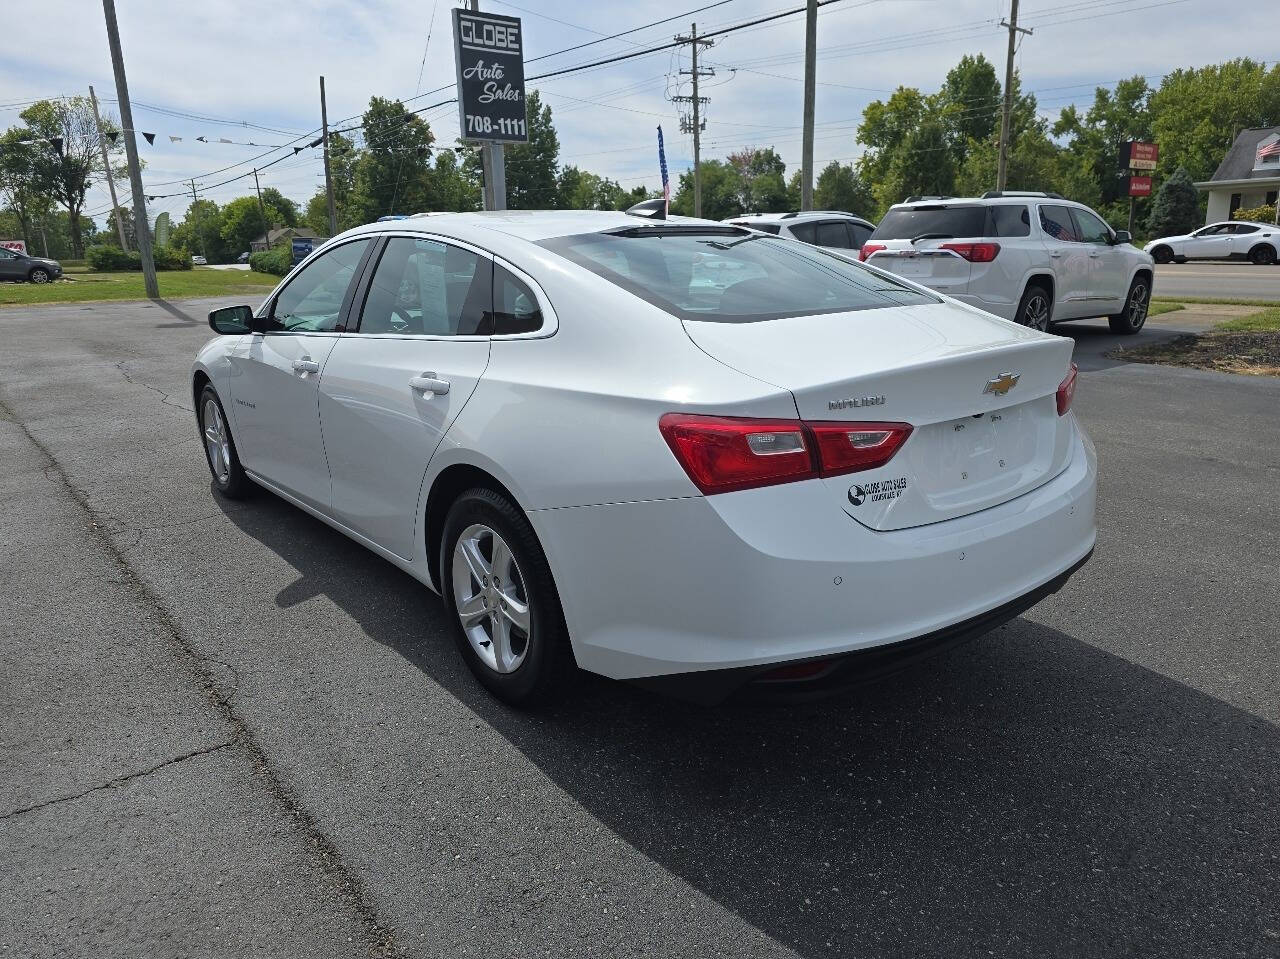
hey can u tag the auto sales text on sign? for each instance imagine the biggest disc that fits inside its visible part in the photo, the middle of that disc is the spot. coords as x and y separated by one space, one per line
488 50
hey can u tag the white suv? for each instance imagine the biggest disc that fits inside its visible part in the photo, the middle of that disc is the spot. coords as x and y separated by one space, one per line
826 228
1034 258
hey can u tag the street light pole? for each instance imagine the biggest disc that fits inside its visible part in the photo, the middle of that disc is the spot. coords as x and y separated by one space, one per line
140 227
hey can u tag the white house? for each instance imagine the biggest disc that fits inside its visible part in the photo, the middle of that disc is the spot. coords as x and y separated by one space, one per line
1248 177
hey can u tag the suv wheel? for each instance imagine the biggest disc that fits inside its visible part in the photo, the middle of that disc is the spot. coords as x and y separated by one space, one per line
1263 254
1035 309
1134 315
39 275
1162 254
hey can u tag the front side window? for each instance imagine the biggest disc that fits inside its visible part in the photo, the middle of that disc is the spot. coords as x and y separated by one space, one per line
515 308
1057 225
728 276
6 254
1090 229
423 287
312 302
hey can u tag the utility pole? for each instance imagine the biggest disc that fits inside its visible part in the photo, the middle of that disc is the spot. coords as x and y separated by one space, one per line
140 228
195 209
697 101
492 162
106 167
328 176
810 83
1011 24
262 211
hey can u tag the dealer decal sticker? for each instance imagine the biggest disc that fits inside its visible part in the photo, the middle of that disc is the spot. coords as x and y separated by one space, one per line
879 490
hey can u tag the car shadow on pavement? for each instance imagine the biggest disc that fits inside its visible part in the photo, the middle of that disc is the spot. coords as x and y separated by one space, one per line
1094 342
1028 794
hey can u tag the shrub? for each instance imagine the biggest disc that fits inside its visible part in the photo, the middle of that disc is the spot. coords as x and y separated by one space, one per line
112 259
1259 214
1176 209
278 260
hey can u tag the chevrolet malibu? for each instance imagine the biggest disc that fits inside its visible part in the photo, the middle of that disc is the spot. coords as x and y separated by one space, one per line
680 453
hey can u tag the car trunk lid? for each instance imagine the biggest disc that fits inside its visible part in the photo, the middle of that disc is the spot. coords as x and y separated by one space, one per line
978 392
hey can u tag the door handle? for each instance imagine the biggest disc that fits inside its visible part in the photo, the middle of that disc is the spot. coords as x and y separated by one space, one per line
1094 255
1056 254
427 383
306 365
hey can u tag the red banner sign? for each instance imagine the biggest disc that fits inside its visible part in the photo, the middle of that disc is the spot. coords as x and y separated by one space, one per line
1139 186
1143 156
18 246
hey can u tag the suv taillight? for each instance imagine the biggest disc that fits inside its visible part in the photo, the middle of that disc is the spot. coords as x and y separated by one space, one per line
868 249
1067 391
974 252
726 453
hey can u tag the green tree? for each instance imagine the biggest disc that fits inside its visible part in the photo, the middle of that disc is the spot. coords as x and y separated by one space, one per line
201 231
1176 208
761 177
281 211
21 189
969 104
721 191
533 168
391 173
840 188
1094 139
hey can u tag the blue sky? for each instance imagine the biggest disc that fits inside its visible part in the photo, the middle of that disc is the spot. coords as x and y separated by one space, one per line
248 61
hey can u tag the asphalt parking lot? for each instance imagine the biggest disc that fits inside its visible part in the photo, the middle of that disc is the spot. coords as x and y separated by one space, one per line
229 731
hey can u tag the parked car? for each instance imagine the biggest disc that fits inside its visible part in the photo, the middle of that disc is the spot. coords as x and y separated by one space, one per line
198 260
20 267
1233 240
243 257
1034 258
826 228
598 460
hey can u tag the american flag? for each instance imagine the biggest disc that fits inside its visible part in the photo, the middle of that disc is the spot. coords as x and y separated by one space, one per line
662 165
1270 150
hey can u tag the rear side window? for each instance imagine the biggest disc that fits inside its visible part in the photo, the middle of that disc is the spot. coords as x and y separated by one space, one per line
1008 221
1057 225
515 308
832 233
762 227
1246 229
729 276
934 221
859 235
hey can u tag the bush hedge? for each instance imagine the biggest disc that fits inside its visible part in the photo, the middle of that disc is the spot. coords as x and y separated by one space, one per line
1259 214
112 259
278 260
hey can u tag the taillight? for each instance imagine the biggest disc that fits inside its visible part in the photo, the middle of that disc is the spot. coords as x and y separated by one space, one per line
868 249
850 447
974 252
725 453
1067 391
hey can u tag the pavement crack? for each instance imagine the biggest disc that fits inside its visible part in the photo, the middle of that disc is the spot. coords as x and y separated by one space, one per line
380 938
118 781
164 397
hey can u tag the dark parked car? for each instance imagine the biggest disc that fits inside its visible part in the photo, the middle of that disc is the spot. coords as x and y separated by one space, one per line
243 258
18 267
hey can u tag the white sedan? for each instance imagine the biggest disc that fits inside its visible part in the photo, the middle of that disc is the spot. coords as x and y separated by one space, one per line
680 453
1233 240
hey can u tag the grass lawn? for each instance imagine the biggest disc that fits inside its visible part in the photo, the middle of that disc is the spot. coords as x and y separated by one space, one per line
1243 344
1228 301
1266 321
82 287
1157 308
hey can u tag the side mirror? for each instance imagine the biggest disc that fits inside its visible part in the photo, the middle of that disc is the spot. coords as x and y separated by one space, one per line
231 320
1122 236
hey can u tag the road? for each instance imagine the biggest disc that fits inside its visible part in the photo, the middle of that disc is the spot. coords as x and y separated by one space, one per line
226 730
1219 280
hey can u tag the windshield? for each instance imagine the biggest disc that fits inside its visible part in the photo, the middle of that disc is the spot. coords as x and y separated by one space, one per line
729 276
934 222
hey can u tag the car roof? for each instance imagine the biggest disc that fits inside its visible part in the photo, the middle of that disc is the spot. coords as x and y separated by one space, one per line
986 200
531 225
795 217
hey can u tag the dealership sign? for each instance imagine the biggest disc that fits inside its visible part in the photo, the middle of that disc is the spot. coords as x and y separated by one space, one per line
1139 186
489 52
18 246
1138 156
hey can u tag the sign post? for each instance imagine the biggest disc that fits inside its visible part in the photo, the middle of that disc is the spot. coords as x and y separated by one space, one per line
1138 156
489 52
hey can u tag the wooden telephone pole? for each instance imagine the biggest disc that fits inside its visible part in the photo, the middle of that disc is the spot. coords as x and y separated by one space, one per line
106 168
694 43
1002 171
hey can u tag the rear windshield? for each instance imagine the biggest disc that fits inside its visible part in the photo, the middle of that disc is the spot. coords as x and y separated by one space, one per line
935 222
728 276
762 227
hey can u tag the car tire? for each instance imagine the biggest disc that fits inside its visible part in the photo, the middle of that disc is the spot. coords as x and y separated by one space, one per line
1134 315
39 275
220 448
1162 254
491 567
1263 255
1035 309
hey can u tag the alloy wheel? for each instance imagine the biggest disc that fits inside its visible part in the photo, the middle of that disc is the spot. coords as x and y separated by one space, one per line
216 442
39 276
1139 303
1036 313
491 598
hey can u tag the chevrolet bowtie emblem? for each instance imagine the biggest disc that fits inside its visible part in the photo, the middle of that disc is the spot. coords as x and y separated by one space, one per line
1002 384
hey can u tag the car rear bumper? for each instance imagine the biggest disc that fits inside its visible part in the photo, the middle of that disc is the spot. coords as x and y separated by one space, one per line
1001 307
776 575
